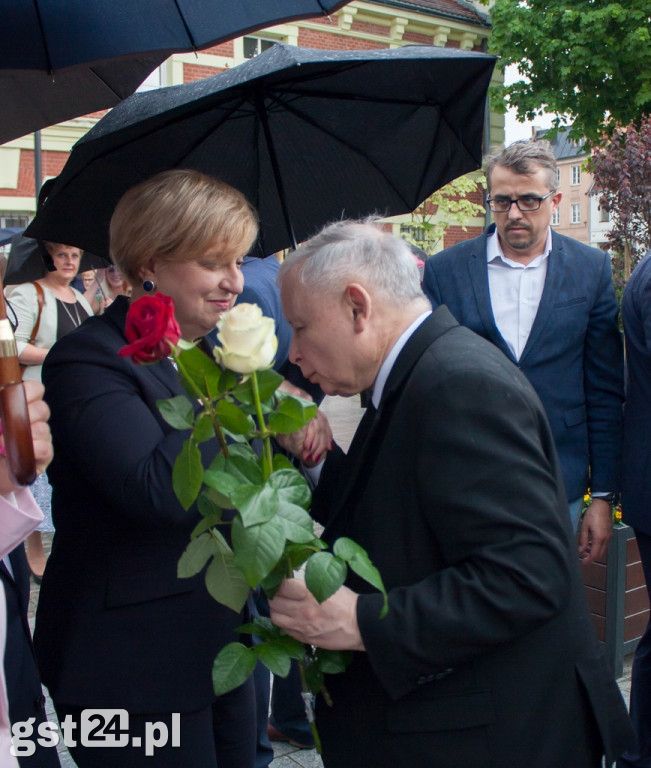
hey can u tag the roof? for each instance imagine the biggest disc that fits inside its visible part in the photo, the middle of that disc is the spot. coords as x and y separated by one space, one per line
460 10
562 147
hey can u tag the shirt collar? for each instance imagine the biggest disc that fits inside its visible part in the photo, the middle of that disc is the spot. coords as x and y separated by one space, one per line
494 250
389 360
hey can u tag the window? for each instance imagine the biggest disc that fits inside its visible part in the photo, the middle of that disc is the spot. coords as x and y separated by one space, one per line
255 45
576 213
576 175
556 217
604 215
558 178
12 220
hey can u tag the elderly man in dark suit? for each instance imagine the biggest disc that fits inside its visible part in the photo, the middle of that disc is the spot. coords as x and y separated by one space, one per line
547 302
636 489
487 656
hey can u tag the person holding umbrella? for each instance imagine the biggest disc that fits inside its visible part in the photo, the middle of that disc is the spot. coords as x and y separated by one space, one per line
46 310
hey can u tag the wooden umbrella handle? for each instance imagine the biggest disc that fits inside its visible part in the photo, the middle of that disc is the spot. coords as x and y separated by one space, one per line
17 429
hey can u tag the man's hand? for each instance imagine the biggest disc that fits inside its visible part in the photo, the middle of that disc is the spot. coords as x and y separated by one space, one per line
331 625
596 531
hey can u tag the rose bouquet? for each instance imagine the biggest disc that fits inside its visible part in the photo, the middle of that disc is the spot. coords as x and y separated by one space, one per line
255 528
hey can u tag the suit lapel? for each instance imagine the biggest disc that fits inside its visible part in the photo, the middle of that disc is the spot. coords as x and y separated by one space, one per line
553 279
478 271
370 433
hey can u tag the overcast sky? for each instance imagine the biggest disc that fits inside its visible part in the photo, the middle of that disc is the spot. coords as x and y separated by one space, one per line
514 131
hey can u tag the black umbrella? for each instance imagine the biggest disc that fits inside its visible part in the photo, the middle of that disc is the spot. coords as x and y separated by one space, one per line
29 260
7 233
307 135
60 60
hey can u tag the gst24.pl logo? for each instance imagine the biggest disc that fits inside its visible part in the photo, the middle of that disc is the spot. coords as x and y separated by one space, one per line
97 728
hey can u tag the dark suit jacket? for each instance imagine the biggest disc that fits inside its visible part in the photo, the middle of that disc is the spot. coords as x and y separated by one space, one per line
636 315
487 657
115 627
24 691
573 357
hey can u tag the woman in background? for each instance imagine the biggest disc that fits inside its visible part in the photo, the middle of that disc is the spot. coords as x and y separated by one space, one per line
46 310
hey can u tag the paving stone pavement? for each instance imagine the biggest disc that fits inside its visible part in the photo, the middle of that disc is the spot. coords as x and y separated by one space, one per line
343 414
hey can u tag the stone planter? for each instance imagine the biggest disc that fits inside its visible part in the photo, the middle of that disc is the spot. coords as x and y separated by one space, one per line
617 597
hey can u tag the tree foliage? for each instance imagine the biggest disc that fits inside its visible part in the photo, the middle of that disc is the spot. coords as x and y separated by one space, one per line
621 165
587 60
448 206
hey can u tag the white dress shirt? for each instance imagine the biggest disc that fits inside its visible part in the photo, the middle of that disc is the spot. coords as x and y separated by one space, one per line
515 291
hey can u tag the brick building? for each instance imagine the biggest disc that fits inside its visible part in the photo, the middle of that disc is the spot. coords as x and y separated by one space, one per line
361 25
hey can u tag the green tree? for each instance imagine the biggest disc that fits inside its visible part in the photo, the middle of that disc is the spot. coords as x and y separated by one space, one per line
448 206
587 60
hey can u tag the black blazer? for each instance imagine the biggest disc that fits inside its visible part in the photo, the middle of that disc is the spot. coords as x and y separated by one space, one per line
487 657
115 627
574 354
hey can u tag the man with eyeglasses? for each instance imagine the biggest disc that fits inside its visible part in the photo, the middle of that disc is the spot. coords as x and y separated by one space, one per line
547 301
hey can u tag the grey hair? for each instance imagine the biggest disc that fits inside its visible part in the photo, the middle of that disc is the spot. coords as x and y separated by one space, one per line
347 251
524 158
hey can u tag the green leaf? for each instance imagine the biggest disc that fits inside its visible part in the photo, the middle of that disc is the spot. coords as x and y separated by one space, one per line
332 662
296 522
233 418
242 462
196 555
203 429
291 414
205 524
187 474
255 503
177 412
223 484
257 548
224 580
203 371
280 461
274 658
207 505
292 487
268 383
232 667
324 574
359 561
261 627
228 381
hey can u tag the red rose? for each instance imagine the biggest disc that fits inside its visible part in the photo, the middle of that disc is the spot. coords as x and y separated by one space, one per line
151 328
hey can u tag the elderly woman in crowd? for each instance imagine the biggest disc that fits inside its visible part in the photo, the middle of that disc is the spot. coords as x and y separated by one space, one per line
115 627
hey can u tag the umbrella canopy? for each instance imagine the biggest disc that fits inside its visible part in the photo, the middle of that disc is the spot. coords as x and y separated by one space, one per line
307 135
6 234
60 62
28 261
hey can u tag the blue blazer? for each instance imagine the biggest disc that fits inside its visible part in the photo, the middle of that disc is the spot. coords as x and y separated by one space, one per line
636 315
573 358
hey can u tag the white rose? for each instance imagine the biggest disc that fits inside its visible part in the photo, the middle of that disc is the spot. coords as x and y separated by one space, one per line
248 339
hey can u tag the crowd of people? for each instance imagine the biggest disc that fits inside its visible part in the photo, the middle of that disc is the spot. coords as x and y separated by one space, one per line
494 397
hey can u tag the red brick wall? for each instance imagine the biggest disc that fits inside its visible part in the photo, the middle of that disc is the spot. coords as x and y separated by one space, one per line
309 38
454 235
193 72
417 37
370 29
51 164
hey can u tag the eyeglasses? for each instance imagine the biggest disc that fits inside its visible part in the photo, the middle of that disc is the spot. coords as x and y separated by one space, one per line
526 203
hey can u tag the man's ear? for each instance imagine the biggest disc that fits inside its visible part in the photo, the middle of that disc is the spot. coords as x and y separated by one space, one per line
359 302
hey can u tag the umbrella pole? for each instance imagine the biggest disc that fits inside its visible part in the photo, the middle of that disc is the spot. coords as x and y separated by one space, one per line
264 119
